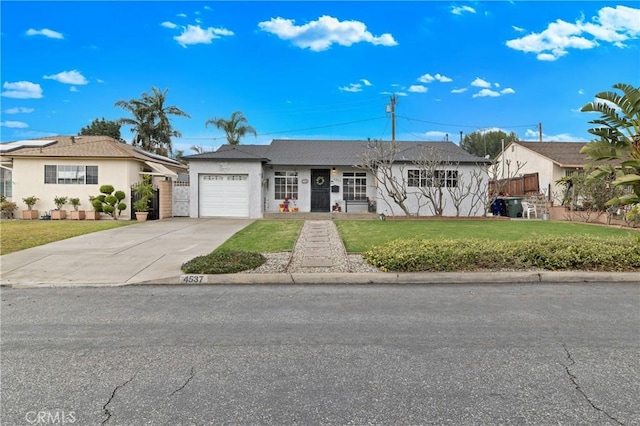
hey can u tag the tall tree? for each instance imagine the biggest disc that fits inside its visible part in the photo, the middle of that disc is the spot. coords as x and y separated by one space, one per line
151 122
102 127
618 132
234 128
483 143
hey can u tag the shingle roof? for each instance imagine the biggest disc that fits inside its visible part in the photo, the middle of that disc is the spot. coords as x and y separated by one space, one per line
304 152
565 154
89 147
234 152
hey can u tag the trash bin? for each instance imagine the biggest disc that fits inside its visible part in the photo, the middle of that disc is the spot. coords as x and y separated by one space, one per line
514 206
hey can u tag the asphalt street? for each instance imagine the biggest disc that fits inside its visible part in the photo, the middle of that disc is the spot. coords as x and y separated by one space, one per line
545 354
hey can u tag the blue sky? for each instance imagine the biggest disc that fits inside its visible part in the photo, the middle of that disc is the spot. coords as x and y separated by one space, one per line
317 69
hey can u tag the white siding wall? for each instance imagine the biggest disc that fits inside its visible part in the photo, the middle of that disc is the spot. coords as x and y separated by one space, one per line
28 179
304 189
253 169
387 206
548 171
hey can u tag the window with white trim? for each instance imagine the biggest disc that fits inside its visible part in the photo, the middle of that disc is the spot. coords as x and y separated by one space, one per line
71 175
425 178
6 188
286 185
354 185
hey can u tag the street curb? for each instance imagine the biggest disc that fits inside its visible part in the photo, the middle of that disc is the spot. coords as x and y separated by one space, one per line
416 278
376 278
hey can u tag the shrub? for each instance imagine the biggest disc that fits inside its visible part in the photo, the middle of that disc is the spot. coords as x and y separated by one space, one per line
223 262
550 253
59 201
109 202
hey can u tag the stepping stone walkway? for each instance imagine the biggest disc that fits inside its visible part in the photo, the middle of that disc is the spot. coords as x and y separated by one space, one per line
319 249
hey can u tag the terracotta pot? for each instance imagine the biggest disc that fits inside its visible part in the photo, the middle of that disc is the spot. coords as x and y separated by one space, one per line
142 216
92 215
29 214
58 214
77 215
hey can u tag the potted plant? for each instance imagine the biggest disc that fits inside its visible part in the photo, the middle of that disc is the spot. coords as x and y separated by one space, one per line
76 214
58 213
30 213
94 213
143 190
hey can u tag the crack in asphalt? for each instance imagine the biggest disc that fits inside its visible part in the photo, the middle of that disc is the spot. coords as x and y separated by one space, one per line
113 394
574 380
193 372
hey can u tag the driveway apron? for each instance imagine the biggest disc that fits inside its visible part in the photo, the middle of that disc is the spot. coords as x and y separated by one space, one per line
131 254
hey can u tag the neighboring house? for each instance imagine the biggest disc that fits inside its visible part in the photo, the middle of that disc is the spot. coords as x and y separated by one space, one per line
315 175
551 160
76 166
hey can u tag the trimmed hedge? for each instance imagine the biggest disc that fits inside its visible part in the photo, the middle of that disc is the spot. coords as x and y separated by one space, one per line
223 262
550 253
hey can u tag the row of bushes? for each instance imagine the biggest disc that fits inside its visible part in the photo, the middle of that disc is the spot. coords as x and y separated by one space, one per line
550 253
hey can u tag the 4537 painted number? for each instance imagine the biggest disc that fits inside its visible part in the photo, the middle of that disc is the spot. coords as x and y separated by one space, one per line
193 279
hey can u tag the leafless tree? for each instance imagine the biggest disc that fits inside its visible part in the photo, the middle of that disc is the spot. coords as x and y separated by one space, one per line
379 159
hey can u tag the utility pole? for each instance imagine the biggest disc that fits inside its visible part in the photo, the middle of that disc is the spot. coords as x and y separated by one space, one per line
540 131
392 109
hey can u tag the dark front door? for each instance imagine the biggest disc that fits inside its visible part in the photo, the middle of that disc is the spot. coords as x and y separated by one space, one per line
320 195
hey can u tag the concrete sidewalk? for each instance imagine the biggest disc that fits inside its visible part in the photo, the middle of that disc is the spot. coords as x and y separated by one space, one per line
142 252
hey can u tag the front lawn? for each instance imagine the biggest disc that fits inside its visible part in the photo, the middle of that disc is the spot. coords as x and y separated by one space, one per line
265 236
360 235
18 235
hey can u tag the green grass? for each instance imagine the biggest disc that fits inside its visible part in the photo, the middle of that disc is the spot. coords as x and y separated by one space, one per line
18 235
360 235
265 236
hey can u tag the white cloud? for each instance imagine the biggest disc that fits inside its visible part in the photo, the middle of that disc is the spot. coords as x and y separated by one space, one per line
428 78
394 93
464 89
486 92
518 29
612 25
194 34
366 82
435 135
353 87
99 81
14 124
319 35
478 82
68 77
182 15
22 90
45 32
507 91
168 24
73 89
534 135
18 110
418 88
459 10
581 92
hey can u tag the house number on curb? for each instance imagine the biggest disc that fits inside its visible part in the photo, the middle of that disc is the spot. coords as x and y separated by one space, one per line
194 279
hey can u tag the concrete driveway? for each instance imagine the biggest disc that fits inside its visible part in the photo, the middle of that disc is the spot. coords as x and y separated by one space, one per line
132 254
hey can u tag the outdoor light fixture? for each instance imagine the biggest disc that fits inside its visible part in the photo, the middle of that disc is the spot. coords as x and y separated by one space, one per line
333 171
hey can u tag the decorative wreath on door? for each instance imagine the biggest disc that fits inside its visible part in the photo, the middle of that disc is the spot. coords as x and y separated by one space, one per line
320 180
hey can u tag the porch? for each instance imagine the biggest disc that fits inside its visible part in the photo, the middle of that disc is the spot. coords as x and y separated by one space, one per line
320 216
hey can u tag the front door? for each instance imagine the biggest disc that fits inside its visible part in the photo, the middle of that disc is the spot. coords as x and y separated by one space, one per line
320 187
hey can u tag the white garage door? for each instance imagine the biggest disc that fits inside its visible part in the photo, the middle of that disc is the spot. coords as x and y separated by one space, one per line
223 195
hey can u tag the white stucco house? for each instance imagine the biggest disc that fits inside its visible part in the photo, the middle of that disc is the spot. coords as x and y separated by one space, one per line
316 175
76 166
551 160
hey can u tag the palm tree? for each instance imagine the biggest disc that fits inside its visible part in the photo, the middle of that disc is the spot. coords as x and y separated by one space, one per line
234 128
150 122
619 139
